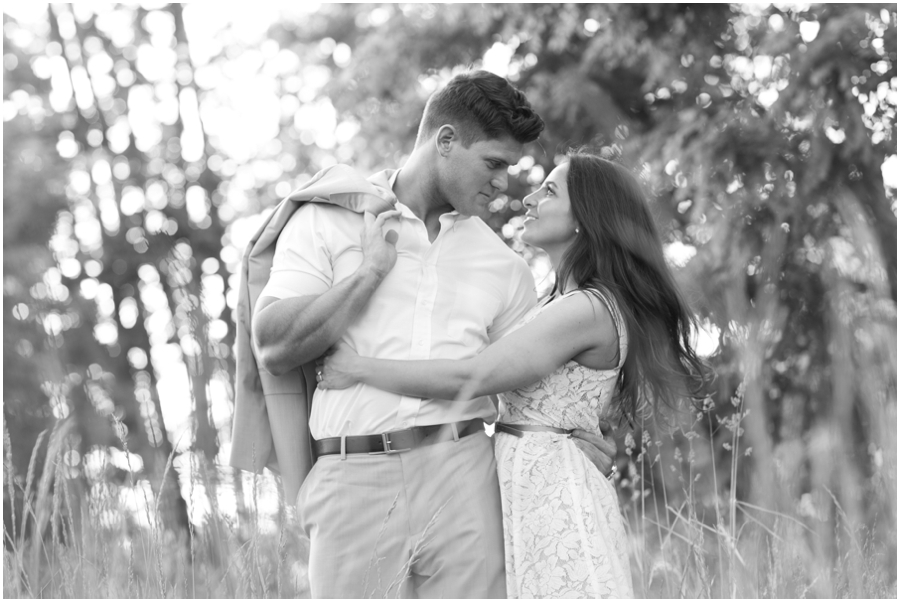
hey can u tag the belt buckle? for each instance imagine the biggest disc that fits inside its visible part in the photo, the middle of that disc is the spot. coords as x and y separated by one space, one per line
386 441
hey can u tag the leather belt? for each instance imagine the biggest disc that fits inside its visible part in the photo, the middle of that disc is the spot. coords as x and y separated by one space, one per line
395 442
518 430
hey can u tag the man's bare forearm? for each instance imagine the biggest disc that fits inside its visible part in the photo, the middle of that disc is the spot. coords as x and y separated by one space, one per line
291 332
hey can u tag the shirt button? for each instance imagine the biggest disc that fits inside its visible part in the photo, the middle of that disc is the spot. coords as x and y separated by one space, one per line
404 425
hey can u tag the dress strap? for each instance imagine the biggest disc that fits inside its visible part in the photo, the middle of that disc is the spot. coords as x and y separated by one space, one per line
618 320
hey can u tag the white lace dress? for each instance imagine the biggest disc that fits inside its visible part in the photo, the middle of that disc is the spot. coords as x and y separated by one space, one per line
563 529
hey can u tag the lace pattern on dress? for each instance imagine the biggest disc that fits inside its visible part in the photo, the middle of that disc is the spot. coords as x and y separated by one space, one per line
565 535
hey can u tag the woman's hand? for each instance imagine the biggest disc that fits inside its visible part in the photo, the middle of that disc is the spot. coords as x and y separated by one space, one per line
379 250
338 367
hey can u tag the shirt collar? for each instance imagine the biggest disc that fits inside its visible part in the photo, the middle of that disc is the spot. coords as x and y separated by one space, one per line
393 179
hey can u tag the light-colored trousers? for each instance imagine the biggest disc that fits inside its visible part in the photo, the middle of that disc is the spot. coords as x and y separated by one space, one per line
424 523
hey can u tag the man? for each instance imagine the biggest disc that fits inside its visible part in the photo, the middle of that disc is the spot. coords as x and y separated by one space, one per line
403 499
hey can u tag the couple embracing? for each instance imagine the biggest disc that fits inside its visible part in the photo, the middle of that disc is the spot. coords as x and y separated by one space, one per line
408 312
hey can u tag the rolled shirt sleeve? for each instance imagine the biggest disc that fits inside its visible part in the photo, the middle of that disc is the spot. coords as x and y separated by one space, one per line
302 263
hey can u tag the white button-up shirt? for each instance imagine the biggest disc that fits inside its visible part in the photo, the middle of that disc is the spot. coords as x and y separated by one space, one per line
443 300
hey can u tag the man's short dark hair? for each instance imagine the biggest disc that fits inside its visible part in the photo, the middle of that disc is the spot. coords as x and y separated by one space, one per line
482 106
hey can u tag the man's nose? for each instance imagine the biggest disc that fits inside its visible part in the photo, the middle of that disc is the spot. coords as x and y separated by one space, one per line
501 182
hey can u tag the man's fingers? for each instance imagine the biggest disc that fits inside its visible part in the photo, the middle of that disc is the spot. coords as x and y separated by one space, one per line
605 428
602 461
583 446
384 216
607 446
592 438
378 223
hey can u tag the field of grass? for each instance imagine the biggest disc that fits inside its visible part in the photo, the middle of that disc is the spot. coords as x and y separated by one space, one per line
692 533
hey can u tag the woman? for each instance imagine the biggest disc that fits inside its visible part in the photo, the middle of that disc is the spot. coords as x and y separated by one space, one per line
614 335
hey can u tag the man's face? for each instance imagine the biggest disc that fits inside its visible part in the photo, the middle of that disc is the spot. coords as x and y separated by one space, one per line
470 178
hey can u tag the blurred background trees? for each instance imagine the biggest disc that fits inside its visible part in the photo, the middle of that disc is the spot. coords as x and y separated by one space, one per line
142 143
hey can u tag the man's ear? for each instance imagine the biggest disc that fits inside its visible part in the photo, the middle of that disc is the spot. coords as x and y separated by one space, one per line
446 137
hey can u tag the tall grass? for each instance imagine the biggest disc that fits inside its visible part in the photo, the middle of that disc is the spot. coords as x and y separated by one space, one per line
72 536
695 535
692 533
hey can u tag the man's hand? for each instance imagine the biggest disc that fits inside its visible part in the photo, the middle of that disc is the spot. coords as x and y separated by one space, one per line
289 332
600 450
379 248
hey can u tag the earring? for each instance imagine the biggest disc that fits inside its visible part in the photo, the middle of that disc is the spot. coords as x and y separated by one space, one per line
577 231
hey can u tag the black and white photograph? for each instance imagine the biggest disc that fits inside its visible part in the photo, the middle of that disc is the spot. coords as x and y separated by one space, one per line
460 300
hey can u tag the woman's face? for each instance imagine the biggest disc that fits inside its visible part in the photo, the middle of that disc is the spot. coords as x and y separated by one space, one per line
549 221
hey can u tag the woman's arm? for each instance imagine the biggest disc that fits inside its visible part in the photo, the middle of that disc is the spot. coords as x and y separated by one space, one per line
564 330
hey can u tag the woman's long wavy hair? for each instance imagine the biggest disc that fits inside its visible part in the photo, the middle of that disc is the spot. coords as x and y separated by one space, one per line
618 251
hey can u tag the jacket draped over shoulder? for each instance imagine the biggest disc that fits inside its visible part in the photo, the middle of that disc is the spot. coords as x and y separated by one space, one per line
271 427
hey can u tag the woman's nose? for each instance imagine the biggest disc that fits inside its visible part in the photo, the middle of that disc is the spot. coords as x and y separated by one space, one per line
529 201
